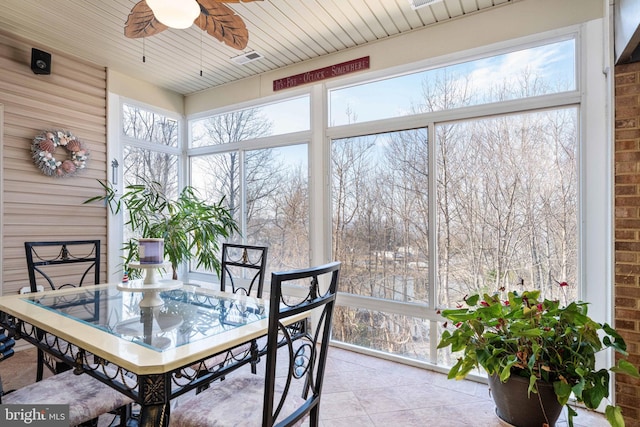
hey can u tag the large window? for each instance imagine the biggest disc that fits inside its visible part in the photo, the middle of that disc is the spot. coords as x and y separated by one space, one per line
380 214
277 118
518 74
472 175
482 198
267 191
150 148
264 181
508 205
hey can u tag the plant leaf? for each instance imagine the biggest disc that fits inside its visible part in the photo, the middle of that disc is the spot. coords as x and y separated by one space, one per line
618 343
624 367
614 416
563 391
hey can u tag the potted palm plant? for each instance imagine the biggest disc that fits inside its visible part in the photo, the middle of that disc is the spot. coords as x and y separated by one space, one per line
550 349
190 227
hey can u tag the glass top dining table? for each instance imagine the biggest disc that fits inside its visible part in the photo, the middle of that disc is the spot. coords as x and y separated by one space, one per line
161 351
184 317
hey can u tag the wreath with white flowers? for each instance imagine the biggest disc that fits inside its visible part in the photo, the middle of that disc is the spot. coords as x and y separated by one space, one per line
43 149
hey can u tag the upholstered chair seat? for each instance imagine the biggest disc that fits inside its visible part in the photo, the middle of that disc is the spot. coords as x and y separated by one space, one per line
87 397
222 407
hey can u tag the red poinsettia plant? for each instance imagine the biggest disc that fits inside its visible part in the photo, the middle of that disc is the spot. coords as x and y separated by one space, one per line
518 334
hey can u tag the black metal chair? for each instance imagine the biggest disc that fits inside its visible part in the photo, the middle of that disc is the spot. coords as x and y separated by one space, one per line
59 264
63 263
87 397
283 400
243 268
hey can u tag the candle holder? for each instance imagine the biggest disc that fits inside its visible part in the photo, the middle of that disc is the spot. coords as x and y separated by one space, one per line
151 255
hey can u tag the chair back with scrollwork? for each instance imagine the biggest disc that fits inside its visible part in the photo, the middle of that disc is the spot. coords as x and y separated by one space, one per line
300 351
53 265
243 269
59 264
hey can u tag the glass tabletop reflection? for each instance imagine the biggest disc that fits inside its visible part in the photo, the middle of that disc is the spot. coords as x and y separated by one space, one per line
186 315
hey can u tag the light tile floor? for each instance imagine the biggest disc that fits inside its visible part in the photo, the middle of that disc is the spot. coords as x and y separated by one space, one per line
365 391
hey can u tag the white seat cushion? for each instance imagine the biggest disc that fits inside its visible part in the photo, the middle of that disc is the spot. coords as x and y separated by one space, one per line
236 401
87 397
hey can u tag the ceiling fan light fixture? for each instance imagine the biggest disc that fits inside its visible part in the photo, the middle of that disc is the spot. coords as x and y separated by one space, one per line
175 13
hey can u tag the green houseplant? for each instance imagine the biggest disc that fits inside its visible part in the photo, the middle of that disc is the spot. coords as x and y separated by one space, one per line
538 340
190 227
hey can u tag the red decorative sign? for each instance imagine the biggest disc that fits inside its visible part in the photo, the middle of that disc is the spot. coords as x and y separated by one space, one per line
322 73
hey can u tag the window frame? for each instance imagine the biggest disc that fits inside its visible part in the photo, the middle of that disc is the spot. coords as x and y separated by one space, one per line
115 152
595 262
267 142
594 169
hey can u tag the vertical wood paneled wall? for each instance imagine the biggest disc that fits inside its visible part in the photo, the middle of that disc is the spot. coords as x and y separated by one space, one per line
37 207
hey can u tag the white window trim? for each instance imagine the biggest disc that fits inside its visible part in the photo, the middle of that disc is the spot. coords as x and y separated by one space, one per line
596 158
596 179
115 141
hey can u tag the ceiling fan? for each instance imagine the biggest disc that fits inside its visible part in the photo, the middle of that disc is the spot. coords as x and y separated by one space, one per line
149 17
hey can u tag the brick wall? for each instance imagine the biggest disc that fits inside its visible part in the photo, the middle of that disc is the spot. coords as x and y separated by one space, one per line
627 231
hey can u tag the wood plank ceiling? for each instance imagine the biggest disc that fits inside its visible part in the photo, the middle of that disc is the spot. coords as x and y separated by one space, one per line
284 32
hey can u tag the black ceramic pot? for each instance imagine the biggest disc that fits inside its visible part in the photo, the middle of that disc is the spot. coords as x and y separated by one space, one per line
516 407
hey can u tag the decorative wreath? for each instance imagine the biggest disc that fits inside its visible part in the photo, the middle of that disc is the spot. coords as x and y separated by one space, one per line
43 149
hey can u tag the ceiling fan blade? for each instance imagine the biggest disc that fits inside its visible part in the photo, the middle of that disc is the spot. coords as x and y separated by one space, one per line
141 22
222 23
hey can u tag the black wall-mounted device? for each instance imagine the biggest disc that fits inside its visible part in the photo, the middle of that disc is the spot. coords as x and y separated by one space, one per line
40 61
